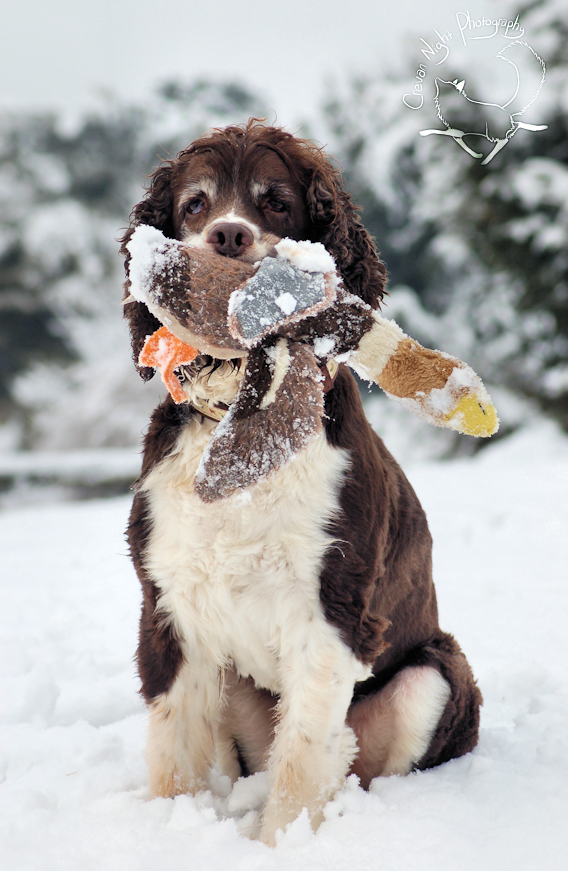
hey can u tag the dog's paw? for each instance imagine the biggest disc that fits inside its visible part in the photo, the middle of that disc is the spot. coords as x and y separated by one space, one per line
279 814
168 784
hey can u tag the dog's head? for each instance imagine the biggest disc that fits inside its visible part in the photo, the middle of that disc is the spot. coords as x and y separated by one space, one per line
238 191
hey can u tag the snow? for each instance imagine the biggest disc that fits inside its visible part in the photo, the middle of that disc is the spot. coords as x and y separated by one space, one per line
73 784
305 255
555 381
151 254
324 346
444 399
286 303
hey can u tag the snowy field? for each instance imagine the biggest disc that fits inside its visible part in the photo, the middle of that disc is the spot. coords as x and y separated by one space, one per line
73 779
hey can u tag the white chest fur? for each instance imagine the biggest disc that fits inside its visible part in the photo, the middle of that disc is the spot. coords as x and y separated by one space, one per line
240 577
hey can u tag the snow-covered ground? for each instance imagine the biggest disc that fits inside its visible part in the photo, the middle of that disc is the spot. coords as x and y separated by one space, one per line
73 774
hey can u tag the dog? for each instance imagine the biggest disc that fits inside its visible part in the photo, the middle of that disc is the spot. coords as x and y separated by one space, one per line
293 627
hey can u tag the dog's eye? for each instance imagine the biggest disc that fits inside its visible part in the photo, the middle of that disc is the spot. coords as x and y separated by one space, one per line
273 204
195 205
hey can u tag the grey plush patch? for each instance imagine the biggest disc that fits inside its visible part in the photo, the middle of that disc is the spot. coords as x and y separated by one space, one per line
277 291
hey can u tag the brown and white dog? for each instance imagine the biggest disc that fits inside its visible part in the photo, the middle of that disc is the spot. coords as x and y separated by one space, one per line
292 627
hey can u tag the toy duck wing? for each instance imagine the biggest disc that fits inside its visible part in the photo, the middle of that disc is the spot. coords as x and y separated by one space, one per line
278 410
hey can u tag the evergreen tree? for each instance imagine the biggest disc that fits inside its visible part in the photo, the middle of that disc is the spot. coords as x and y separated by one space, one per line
481 247
515 217
67 190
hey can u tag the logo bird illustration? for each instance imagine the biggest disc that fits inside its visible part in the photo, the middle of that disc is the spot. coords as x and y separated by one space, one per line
501 121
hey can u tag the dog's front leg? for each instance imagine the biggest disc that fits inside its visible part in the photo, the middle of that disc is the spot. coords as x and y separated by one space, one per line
181 732
313 747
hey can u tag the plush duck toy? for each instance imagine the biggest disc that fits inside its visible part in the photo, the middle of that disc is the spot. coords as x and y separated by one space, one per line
292 320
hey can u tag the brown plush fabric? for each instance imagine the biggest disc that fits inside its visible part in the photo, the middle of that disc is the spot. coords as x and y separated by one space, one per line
252 441
413 368
197 294
191 291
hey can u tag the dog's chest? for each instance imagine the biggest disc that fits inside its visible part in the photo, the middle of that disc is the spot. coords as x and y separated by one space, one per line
240 577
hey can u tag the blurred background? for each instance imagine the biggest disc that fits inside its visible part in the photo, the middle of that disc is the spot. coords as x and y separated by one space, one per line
93 97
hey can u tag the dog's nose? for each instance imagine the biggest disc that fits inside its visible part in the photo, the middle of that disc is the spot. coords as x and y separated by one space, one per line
230 238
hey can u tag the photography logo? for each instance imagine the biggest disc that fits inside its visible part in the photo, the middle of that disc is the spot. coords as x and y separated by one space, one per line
494 120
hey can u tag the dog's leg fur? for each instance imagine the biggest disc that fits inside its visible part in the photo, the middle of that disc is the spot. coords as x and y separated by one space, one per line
426 714
181 733
394 726
313 747
246 729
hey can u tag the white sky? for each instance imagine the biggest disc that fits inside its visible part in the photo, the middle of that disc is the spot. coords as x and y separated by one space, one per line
59 53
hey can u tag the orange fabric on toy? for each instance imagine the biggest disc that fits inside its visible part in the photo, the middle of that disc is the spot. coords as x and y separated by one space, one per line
163 351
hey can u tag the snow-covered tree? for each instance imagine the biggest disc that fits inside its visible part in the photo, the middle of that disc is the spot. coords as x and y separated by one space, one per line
67 188
515 217
477 253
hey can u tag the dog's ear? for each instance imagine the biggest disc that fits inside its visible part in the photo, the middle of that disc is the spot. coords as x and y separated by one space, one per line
141 324
156 210
340 230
